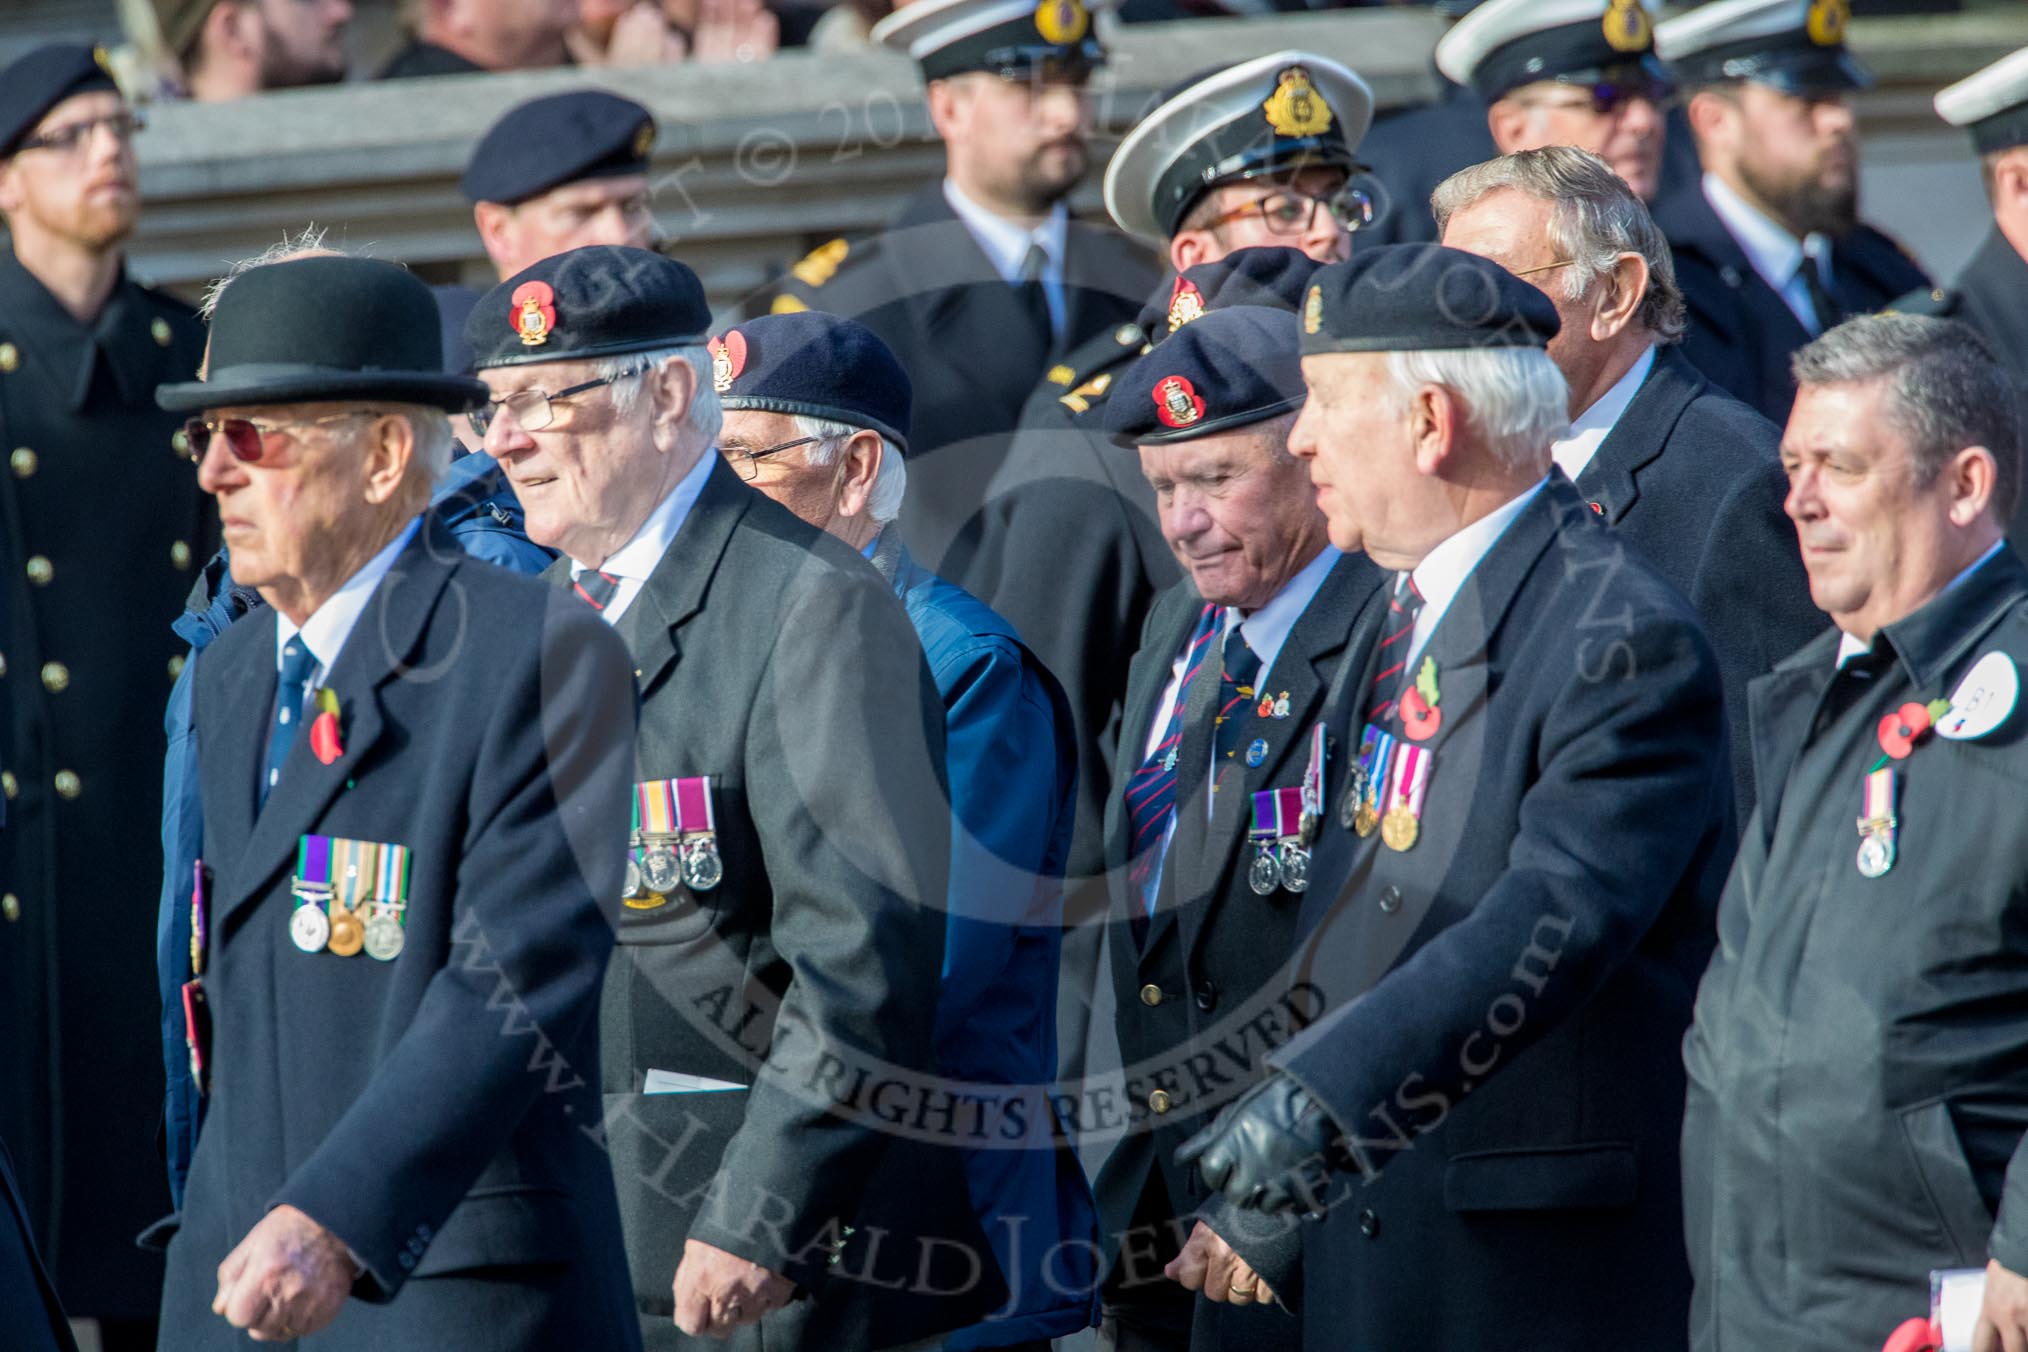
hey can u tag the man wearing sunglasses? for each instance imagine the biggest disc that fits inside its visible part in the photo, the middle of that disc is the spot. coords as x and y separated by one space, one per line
101 528
1769 246
1567 72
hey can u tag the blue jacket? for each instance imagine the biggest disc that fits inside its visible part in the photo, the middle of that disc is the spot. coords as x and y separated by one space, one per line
479 506
1012 767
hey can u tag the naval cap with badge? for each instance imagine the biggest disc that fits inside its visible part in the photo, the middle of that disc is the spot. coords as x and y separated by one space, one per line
1274 114
558 139
1607 45
1991 104
1009 38
1230 369
603 300
33 84
1271 277
324 329
1791 46
1422 298
813 365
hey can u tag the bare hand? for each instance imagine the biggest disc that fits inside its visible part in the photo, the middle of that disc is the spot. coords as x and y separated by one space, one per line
736 30
638 36
287 1279
2003 1315
716 1291
1208 1264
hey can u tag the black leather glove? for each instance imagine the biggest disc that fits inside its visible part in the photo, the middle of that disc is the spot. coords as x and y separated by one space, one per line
1270 1150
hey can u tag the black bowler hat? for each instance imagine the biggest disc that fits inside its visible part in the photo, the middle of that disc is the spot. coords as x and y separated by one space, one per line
562 138
323 329
1422 298
604 300
1273 277
813 365
45 77
1229 369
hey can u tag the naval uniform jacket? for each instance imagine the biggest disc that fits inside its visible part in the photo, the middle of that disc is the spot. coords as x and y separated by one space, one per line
1507 995
972 352
775 660
1693 479
1206 993
1742 332
102 528
438 1112
1857 1102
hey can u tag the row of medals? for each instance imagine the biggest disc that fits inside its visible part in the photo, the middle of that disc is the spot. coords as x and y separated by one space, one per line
1398 829
1286 863
667 860
320 923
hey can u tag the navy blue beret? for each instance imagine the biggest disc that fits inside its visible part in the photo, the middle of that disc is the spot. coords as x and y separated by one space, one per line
1422 298
562 138
45 77
604 300
1270 276
1231 368
813 365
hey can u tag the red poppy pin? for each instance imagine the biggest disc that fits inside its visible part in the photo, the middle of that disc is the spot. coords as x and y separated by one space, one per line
1420 716
1176 402
1900 730
728 359
532 312
324 739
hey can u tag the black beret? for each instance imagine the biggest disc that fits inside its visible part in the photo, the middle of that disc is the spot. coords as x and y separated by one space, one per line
1229 369
604 300
563 138
813 365
37 82
1422 298
324 329
1270 276
1007 37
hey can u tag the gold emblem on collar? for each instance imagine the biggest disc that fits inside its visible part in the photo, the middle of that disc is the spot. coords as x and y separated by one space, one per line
1296 108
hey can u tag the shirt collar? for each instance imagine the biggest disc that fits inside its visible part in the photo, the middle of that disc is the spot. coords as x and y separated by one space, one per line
1443 571
1927 631
1574 451
1267 629
1004 243
637 558
325 632
1773 251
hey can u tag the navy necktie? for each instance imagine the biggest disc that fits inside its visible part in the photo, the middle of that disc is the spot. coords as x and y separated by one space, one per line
596 587
1235 694
1402 608
292 698
1151 793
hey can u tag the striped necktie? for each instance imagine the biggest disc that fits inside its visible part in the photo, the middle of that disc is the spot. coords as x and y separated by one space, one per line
1402 608
1151 792
596 588
1235 694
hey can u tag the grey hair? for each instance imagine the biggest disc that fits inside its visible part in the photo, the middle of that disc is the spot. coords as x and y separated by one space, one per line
704 417
434 439
1597 218
310 240
1945 391
1515 398
883 504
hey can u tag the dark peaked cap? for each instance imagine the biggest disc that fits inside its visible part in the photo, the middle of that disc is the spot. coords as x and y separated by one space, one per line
324 329
1422 298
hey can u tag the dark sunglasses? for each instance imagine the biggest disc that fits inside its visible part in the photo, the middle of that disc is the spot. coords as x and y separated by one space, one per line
1606 97
246 439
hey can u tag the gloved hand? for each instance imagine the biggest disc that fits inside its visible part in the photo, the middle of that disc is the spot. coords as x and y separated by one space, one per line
1270 1150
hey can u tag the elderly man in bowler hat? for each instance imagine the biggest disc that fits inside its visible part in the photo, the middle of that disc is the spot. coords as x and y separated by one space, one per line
402 911
783 910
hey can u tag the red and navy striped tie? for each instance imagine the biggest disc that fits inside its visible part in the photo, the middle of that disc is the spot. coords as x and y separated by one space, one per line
1151 792
1235 694
596 587
1402 608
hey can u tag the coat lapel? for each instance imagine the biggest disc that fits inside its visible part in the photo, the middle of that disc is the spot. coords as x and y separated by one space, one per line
1612 479
675 590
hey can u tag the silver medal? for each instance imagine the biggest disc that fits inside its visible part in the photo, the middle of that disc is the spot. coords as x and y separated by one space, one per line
702 868
659 868
632 887
310 928
1295 866
384 937
1265 875
1876 855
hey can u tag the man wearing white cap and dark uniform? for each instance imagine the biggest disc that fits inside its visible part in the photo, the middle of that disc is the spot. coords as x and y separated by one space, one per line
1769 248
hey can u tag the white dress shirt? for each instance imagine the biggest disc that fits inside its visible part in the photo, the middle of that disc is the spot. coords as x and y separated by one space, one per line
1005 245
1850 647
633 561
1775 254
1443 572
1589 429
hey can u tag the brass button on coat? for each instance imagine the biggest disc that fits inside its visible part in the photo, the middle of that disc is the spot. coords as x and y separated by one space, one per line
179 554
176 666
68 785
40 570
23 462
160 331
10 358
10 906
1160 1101
55 677
1151 994
9 785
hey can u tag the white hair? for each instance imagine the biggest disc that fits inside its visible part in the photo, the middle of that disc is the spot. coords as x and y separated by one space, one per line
309 241
1515 399
433 438
704 417
883 504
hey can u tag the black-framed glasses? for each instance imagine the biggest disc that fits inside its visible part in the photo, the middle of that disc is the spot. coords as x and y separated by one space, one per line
1606 97
69 138
1288 212
532 408
748 462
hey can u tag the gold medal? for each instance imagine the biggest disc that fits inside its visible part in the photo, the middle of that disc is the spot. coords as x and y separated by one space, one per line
348 936
1365 820
1399 828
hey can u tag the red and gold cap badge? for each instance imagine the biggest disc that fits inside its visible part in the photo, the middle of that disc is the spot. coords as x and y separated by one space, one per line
1062 22
532 312
1186 304
728 359
1177 403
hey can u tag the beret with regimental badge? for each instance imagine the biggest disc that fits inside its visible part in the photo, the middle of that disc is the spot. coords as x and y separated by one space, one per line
1991 104
1004 37
559 139
1792 46
1271 277
1274 114
813 365
604 300
35 83
1230 369
1505 44
1422 298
